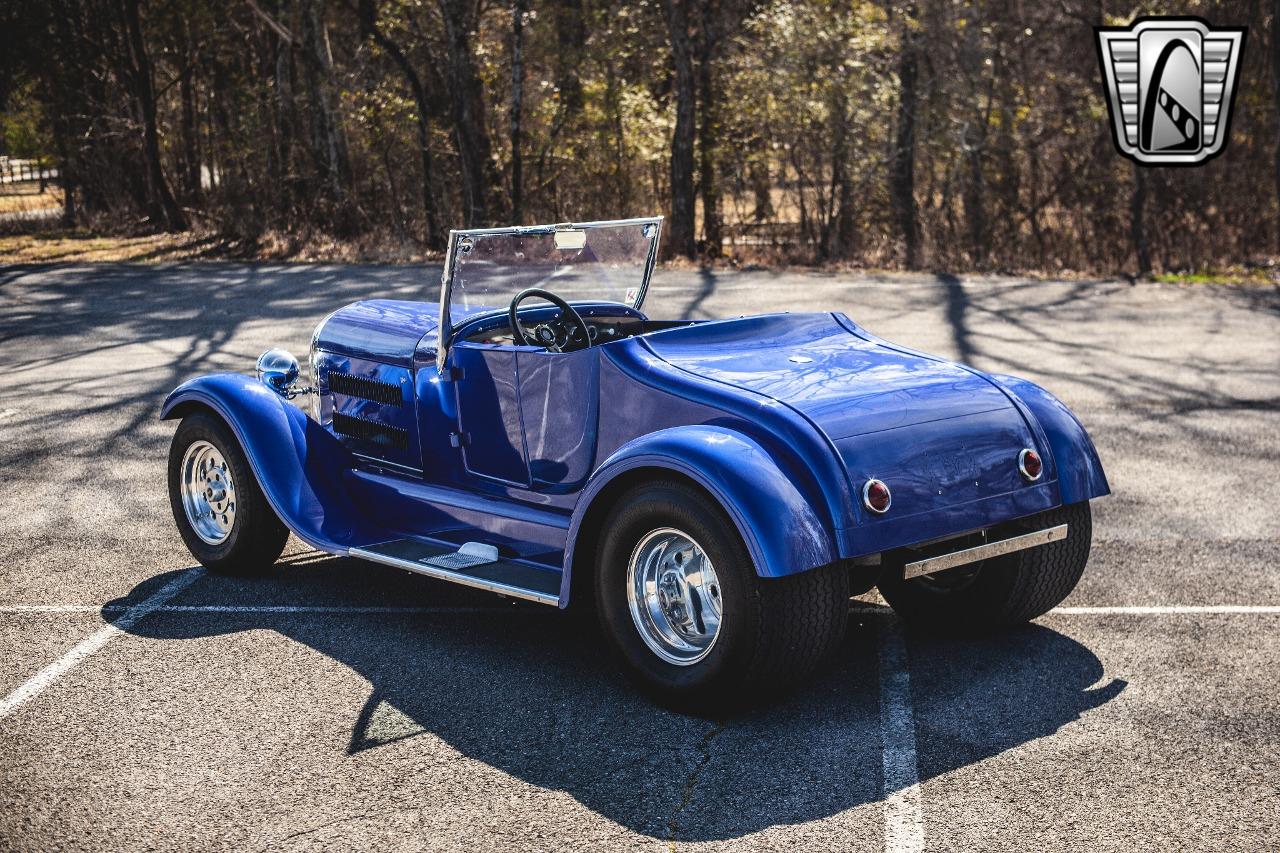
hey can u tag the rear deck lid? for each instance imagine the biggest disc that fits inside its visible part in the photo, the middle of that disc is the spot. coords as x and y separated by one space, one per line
844 383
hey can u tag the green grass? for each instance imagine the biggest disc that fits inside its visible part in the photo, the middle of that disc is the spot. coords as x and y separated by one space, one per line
1228 276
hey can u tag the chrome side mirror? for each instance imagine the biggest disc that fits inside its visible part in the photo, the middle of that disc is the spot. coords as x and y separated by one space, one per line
278 370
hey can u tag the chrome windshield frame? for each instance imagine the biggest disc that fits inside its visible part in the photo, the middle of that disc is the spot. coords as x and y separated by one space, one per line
457 235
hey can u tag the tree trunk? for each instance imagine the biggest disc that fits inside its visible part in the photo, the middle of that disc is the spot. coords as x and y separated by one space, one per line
1275 82
425 109
902 176
163 207
518 9
190 182
709 127
571 40
328 138
66 175
683 239
760 181
466 93
621 170
286 177
842 234
1137 222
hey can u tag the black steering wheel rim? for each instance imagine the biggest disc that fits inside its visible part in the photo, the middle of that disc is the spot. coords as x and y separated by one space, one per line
566 310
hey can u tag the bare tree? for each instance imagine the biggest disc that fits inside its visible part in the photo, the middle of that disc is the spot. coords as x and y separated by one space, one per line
519 8
467 106
902 175
1137 220
425 109
328 137
682 239
710 98
162 206
1275 84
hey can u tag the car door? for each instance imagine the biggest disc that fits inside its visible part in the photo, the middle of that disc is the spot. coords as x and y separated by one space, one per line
490 433
559 404
527 416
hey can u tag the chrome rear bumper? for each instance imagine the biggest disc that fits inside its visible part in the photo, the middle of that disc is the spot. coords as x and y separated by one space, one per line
942 562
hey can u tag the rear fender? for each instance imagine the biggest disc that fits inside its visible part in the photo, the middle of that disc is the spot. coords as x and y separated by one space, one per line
298 463
1079 470
782 532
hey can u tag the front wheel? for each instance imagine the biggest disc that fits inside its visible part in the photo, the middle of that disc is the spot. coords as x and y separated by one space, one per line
678 597
1001 592
220 509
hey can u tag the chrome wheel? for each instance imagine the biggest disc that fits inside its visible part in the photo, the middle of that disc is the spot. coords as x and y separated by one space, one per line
208 492
674 596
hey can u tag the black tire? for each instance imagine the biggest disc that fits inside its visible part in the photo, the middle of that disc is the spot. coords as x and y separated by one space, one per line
1002 592
257 536
774 632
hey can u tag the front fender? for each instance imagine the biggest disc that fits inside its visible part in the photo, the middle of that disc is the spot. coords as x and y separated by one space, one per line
783 533
298 463
1079 470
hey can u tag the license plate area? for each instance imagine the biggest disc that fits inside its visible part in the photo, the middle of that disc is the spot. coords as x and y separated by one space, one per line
965 556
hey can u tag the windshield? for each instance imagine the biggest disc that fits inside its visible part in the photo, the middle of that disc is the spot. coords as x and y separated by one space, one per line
591 261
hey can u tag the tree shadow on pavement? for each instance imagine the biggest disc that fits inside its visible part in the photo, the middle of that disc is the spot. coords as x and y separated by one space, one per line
526 690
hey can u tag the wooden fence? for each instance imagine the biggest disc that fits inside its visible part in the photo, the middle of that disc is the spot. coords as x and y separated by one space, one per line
15 171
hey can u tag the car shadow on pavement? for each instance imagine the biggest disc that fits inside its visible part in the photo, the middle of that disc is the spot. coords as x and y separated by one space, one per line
531 692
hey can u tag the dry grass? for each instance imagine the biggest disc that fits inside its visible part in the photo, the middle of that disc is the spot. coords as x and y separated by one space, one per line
61 246
42 245
18 198
83 248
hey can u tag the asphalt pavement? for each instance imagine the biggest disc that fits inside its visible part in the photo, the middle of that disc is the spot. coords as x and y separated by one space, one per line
342 705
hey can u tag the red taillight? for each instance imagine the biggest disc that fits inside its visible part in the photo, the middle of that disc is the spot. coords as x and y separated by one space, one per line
1030 465
875 495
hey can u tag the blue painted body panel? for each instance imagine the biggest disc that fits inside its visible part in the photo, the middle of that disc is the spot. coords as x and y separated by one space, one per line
301 467
382 330
401 416
781 418
846 385
1078 468
778 523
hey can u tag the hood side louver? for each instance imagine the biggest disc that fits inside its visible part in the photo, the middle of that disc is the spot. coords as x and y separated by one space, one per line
371 431
365 389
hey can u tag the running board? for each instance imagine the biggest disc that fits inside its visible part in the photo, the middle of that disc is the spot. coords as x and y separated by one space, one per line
441 562
943 562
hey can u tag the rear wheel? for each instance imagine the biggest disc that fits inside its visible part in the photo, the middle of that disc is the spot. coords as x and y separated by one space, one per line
1001 592
678 597
220 509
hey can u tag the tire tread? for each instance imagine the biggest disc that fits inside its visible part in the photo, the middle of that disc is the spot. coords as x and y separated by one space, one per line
1009 590
803 618
260 536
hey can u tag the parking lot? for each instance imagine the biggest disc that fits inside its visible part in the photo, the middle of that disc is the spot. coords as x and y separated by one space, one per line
342 705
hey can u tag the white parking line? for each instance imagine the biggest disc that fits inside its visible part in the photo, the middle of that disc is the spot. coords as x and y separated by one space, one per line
903 823
1169 610
82 650
259 608
355 609
903 817
863 609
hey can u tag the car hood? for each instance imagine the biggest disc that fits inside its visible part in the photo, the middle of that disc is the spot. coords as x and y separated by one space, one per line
846 384
387 331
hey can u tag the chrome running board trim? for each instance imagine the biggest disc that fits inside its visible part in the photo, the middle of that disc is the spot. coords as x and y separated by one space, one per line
503 577
942 562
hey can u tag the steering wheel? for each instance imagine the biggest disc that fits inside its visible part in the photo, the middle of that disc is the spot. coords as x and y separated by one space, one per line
544 334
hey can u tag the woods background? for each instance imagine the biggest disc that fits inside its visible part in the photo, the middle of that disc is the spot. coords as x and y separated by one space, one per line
959 134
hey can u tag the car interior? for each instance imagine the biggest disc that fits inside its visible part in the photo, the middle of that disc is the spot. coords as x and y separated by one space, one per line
553 328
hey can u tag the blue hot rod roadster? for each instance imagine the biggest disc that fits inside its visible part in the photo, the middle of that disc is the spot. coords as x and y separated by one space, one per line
715 490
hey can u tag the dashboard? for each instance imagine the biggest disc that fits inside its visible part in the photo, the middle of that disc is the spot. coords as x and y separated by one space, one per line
604 324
